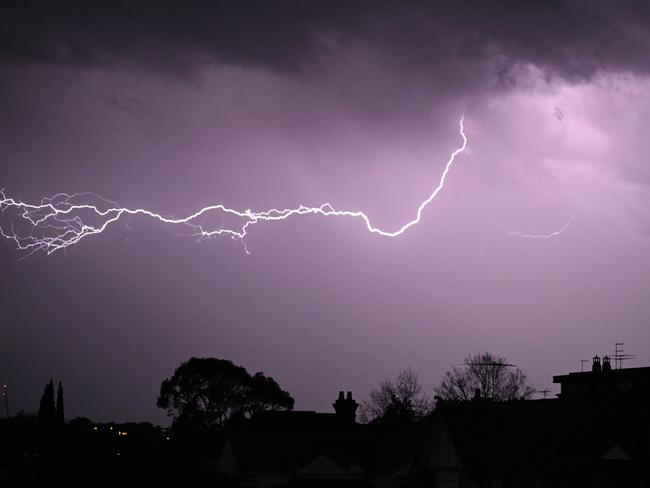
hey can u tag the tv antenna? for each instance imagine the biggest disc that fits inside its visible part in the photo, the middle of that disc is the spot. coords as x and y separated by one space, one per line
620 355
544 392
490 363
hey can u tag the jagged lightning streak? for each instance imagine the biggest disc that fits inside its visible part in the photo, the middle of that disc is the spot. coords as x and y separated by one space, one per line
556 233
59 221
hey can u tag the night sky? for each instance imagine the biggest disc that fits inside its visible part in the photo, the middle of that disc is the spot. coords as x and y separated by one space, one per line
172 106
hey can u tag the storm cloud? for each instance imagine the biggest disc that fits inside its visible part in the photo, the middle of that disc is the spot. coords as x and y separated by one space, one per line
450 43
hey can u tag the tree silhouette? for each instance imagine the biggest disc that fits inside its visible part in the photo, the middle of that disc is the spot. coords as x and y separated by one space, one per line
396 401
265 394
46 409
487 375
50 430
210 392
60 417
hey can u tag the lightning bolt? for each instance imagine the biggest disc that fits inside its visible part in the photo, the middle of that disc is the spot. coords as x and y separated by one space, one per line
65 219
556 233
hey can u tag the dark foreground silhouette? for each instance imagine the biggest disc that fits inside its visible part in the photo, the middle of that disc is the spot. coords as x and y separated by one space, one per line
596 434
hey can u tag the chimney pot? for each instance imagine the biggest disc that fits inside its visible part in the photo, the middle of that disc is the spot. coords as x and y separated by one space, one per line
595 365
346 408
607 366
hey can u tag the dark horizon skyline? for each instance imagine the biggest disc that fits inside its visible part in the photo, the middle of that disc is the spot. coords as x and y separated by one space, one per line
260 105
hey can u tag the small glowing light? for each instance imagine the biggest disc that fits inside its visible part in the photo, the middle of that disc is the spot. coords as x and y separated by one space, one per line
95 428
167 438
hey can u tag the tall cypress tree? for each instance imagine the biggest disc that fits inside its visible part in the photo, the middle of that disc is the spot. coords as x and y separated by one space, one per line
46 411
47 433
60 418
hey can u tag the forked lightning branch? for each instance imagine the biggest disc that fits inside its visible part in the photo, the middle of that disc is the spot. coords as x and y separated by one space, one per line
63 220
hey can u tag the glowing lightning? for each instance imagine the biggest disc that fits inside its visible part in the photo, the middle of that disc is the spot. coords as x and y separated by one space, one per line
56 223
538 236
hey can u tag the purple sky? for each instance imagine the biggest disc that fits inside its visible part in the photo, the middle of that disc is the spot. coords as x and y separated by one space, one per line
276 104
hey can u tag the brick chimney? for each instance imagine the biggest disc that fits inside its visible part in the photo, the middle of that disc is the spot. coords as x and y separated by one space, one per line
346 408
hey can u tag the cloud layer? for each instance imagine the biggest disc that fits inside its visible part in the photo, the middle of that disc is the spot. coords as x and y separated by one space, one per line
454 43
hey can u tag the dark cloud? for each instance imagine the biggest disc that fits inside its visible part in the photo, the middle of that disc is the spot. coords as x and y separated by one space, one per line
449 41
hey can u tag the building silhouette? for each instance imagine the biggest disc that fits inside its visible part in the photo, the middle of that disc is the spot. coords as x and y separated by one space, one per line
596 433
603 382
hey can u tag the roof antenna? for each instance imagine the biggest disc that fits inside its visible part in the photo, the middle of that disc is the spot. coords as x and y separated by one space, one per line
620 356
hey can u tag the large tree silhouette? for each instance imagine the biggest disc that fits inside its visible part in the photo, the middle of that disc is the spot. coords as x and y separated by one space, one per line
210 392
487 375
397 401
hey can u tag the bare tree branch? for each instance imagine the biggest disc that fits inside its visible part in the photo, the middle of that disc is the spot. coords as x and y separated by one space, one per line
488 375
396 401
